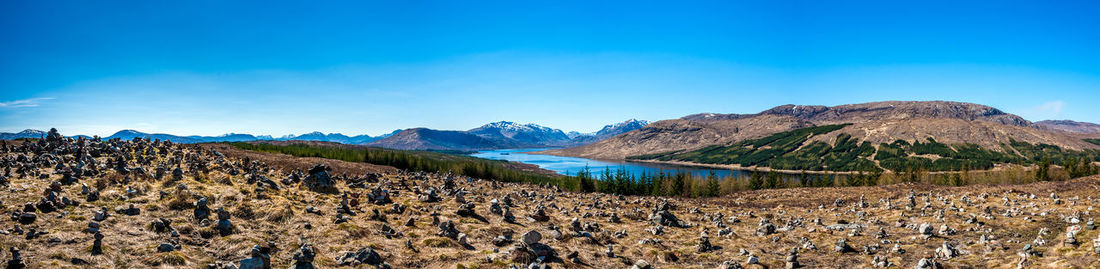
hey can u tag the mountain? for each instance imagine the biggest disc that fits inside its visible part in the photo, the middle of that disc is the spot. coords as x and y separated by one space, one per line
607 131
230 137
876 123
332 137
428 139
390 134
499 135
622 127
496 135
1069 126
131 134
28 133
523 135
575 134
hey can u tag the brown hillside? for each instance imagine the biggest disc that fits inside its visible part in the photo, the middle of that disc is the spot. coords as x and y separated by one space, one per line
878 122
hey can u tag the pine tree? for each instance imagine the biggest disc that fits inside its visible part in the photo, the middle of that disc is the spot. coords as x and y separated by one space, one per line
679 184
1043 172
658 187
773 180
755 180
712 185
585 180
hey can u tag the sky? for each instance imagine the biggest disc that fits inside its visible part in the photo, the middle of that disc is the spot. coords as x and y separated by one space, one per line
370 67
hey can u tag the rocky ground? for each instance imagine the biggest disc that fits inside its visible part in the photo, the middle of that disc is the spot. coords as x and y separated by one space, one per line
142 204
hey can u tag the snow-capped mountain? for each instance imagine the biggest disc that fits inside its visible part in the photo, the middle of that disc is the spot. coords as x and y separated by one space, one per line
332 137
496 135
28 133
622 127
230 137
429 139
522 134
501 135
575 134
608 131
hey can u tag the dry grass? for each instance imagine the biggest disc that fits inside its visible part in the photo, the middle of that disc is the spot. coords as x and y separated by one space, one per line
280 217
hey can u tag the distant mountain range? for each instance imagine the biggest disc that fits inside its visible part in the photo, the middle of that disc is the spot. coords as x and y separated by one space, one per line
496 135
231 137
430 139
500 135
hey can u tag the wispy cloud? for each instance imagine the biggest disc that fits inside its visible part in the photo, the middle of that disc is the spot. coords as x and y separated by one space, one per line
32 102
1052 108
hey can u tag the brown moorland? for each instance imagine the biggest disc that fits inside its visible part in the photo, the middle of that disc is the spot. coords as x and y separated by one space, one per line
971 226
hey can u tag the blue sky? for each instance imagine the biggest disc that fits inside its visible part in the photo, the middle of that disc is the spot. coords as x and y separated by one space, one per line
364 67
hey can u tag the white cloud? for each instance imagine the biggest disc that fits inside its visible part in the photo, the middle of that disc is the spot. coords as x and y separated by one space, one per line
32 102
1053 108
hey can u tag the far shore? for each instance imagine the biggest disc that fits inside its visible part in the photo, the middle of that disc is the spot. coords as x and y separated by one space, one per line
738 167
997 167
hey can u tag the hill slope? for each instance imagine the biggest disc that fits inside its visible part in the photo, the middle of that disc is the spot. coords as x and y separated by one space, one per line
825 148
1070 126
876 123
429 139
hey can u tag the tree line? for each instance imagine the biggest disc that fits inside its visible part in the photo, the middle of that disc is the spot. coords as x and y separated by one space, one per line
679 183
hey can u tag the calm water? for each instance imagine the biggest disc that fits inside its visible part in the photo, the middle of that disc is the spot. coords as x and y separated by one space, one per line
570 165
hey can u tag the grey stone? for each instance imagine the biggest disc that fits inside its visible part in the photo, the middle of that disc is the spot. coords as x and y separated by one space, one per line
362 256
97 245
166 247
303 258
319 179
531 237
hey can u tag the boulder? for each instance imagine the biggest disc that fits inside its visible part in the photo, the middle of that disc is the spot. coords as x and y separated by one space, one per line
16 261
531 237
166 247
260 259
843 247
224 225
303 258
319 179
466 210
925 230
27 218
202 209
362 256
539 215
130 210
97 245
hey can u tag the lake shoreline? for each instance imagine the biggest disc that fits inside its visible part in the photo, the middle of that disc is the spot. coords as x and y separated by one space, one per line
569 166
738 167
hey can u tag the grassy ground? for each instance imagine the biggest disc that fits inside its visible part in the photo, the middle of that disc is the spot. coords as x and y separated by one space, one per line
280 217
